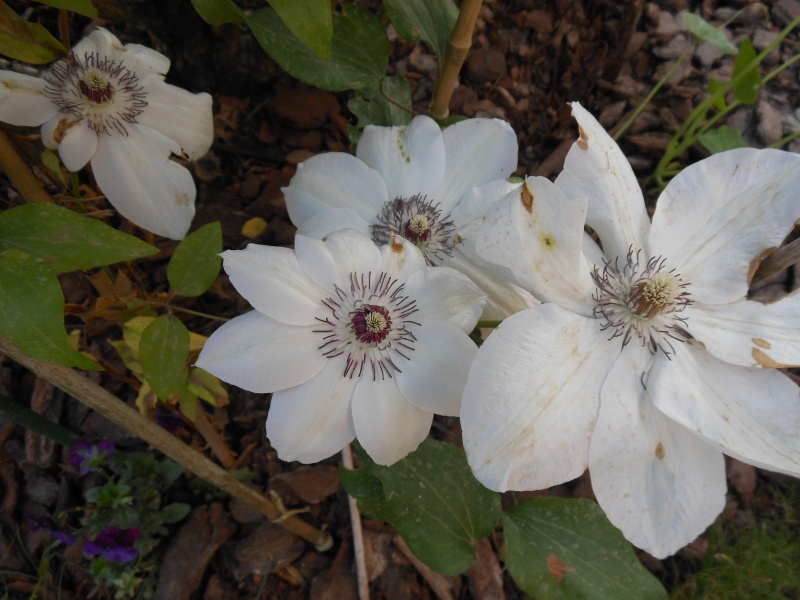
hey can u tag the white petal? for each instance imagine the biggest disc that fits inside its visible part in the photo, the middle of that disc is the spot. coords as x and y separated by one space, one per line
468 214
504 298
180 115
143 61
656 481
139 180
387 426
335 180
329 220
272 280
596 169
750 414
477 151
750 333
434 377
411 159
331 262
401 258
58 126
78 146
313 421
531 399
99 41
443 294
719 214
21 100
259 354
537 233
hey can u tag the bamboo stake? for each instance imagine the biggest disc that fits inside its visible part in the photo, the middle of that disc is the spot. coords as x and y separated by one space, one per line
125 416
457 47
19 173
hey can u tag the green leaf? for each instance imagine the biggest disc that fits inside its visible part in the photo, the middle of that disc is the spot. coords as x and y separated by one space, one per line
66 240
746 85
714 86
433 500
82 7
27 42
217 12
359 52
310 21
427 20
708 33
32 310
196 262
721 139
387 102
558 548
163 351
177 511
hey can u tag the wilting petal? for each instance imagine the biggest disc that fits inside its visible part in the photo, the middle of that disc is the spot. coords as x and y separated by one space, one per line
334 180
180 115
750 414
443 294
54 130
313 421
333 219
531 399
656 481
411 159
719 214
139 180
272 280
78 146
596 169
387 426
434 377
332 262
750 333
401 258
22 101
478 151
259 354
537 233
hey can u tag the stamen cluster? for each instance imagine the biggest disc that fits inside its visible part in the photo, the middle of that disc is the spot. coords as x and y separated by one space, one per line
642 301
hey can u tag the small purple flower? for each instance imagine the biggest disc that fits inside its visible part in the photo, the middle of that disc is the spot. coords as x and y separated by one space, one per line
170 421
62 533
114 544
87 456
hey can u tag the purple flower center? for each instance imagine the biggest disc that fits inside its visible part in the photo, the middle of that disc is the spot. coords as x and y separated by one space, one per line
371 323
419 221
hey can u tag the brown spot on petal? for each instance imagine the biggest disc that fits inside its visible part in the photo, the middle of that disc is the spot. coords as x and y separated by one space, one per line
64 125
765 361
558 569
181 198
582 141
761 343
660 453
527 198
548 241
457 239
397 246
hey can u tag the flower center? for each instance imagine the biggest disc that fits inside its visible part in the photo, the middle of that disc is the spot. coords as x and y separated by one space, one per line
96 89
642 300
420 222
369 326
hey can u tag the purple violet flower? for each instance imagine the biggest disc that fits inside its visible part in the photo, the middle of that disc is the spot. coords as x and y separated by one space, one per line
62 533
87 456
114 544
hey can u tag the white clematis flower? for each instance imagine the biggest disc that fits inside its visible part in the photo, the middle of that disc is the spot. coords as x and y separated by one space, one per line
646 361
107 103
352 339
429 186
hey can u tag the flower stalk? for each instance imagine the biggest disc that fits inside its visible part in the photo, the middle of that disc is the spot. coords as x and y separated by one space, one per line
123 415
20 175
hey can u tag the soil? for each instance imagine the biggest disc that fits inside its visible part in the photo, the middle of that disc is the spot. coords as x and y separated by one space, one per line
529 58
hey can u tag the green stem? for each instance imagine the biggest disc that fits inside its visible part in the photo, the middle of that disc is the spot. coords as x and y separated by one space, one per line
22 415
185 310
786 140
488 324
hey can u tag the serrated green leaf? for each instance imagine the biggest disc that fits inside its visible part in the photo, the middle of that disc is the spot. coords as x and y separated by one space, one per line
310 21
428 20
721 139
359 51
32 310
433 500
66 240
708 33
385 103
81 7
196 262
27 42
559 549
163 350
746 84
217 12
